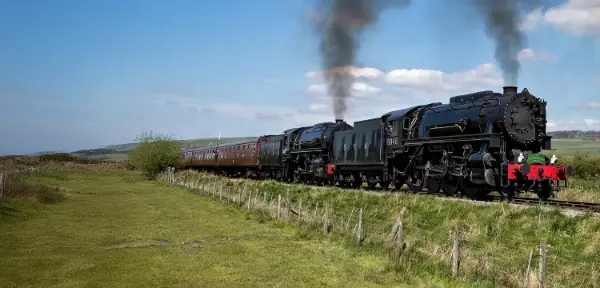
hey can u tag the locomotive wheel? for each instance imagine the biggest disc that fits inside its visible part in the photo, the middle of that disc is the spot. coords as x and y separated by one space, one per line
399 183
545 190
471 193
509 191
449 188
415 181
385 186
356 184
433 185
371 185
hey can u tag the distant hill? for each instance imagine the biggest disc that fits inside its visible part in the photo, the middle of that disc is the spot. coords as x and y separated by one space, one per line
575 135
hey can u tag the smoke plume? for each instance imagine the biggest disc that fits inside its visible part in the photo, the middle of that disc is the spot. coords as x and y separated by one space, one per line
340 25
502 19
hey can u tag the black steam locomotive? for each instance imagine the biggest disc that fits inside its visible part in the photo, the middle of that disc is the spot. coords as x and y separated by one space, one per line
475 144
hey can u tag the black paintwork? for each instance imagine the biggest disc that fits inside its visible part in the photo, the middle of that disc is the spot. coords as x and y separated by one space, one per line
361 145
269 153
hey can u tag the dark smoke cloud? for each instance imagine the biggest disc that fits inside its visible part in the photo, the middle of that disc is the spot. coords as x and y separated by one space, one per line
340 25
502 19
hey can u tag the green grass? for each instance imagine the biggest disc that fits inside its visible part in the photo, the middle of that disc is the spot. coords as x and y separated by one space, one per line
497 238
118 230
571 147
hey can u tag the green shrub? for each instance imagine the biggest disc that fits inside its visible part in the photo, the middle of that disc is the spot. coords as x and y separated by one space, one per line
16 186
155 153
585 166
57 157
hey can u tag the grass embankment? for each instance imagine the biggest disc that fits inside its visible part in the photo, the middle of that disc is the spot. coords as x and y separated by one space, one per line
496 239
113 228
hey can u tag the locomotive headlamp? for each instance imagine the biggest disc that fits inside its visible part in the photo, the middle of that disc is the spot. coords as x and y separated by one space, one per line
521 157
553 159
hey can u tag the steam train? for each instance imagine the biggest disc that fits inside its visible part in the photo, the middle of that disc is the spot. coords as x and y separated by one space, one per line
477 143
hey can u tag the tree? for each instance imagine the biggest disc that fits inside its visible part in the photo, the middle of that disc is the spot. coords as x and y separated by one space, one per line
155 153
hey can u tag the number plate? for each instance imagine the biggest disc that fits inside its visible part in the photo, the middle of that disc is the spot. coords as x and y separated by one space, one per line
391 141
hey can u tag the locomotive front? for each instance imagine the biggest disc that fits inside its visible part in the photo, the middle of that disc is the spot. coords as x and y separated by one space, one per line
524 122
491 141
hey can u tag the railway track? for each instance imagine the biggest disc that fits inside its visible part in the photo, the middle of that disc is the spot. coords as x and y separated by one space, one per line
581 206
584 206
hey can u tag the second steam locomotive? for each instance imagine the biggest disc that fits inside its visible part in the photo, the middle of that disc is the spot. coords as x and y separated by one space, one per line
475 144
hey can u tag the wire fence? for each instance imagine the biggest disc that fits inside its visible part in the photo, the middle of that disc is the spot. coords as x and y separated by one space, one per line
409 245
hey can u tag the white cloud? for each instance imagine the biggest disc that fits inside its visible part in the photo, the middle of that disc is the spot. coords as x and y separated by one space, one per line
414 83
317 107
358 90
576 17
581 124
530 54
317 88
558 125
532 19
589 105
591 122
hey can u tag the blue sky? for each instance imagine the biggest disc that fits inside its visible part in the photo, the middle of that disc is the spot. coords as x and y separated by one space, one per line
84 74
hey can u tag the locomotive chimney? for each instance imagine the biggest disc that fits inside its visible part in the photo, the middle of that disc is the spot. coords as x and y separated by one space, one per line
510 90
339 120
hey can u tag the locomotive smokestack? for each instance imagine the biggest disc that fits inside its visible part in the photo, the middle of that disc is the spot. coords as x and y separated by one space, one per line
339 120
510 90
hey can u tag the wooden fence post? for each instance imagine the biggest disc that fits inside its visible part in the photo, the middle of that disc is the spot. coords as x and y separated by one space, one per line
455 254
279 206
526 276
396 238
359 228
543 250
249 199
326 221
349 218
399 244
287 204
1 184
299 210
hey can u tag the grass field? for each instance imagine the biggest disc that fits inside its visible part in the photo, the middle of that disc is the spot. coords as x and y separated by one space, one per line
116 229
571 147
119 230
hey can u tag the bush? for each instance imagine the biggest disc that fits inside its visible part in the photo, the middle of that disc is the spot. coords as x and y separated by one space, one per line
585 166
155 153
57 157
15 186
